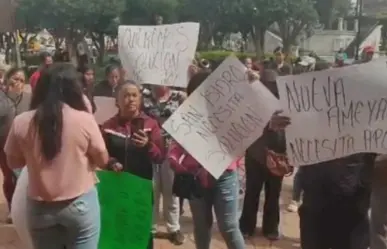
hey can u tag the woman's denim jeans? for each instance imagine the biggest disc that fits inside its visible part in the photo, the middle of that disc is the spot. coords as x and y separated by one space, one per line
224 198
72 224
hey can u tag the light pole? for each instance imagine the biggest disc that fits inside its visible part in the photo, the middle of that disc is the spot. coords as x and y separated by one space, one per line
359 16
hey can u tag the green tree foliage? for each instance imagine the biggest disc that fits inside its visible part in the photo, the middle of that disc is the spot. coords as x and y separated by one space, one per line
330 10
142 12
213 16
101 18
255 17
97 18
28 19
294 17
72 19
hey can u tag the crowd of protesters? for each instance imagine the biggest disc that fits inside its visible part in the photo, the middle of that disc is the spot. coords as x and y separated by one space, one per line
52 132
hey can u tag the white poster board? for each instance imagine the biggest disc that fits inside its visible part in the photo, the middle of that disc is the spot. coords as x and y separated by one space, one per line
223 117
106 108
160 54
335 113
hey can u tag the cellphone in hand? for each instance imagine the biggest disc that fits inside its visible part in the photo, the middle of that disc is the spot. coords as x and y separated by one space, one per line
136 125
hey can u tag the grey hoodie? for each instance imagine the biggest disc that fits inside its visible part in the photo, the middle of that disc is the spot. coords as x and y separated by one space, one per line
10 107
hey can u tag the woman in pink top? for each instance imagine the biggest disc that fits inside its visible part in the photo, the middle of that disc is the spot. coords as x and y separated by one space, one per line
204 192
61 144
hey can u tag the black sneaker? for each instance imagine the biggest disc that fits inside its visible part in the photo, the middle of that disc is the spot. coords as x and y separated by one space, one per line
177 238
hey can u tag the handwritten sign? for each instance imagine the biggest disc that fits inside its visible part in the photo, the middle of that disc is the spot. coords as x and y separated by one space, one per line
126 210
160 54
335 113
223 117
106 108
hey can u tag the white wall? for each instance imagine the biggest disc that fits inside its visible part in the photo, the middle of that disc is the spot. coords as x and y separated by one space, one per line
328 42
272 41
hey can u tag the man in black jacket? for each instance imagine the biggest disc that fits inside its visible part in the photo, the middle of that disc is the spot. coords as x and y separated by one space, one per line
334 210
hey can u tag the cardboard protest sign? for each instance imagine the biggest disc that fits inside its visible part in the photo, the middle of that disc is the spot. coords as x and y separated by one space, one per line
223 117
159 54
126 210
335 113
106 108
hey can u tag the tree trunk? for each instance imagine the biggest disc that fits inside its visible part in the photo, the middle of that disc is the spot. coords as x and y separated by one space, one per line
17 50
2 41
289 38
8 48
71 46
287 46
101 50
245 37
206 35
262 40
256 35
58 42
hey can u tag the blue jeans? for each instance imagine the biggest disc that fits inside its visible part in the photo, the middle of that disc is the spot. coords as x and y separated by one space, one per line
223 196
71 224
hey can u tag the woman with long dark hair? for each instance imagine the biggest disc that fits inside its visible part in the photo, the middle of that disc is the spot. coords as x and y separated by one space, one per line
61 144
87 81
13 101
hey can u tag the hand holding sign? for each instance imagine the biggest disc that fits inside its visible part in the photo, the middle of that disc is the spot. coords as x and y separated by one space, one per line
222 117
278 122
252 76
117 167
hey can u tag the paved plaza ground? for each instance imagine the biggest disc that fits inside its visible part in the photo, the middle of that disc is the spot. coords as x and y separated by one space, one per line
289 224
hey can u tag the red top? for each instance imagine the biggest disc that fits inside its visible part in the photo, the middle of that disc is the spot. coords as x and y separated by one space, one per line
34 79
369 49
138 161
182 162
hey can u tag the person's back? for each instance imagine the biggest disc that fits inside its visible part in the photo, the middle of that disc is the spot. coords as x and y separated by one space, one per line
46 60
378 236
61 144
34 79
54 180
334 209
